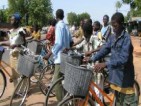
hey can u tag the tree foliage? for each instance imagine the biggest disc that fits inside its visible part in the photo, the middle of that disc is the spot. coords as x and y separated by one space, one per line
118 5
73 17
39 11
135 7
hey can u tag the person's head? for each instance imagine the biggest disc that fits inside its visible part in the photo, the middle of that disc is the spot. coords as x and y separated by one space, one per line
59 14
105 19
117 22
15 20
53 22
36 28
81 23
96 26
88 20
87 29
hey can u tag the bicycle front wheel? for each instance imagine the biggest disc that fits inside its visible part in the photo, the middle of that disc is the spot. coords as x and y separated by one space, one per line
75 101
2 83
50 97
20 92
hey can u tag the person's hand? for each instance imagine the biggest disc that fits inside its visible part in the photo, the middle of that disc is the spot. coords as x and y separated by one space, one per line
99 67
46 57
66 50
86 59
88 53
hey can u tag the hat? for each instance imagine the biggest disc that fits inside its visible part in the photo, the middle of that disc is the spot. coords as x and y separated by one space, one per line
17 16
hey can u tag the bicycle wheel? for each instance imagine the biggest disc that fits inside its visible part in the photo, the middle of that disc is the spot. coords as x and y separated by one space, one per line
75 101
50 98
2 83
46 78
137 90
20 92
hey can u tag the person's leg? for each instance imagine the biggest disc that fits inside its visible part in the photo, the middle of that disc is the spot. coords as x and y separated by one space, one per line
130 100
15 75
125 99
58 88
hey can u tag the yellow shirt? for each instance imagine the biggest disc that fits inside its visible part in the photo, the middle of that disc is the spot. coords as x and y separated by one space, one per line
36 35
79 33
129 90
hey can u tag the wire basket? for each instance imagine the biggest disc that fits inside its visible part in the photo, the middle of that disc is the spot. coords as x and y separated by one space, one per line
27 65
77 80
73 59
35 47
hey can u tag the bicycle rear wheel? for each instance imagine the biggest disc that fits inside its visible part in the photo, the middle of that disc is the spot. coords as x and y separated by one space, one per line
20 92
46 78
2 83
137 90
75 101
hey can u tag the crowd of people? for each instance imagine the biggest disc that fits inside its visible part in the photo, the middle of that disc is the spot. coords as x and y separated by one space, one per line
94 41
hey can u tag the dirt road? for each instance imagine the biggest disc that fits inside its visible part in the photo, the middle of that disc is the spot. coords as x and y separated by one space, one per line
36 98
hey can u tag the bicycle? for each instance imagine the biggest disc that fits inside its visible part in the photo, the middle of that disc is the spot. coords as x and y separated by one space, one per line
3 71
72 57
80 94
31 61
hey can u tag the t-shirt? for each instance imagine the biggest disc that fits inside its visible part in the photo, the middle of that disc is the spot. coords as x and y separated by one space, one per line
15 38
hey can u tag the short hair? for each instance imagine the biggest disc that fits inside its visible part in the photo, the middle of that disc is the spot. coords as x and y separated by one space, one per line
118 17
97 23
53 22
87 28
106 17
90 21
60 14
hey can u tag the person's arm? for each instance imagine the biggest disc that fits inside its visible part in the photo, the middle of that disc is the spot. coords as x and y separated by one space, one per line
104 50
93 51
78 42
5 43
58 41
123 57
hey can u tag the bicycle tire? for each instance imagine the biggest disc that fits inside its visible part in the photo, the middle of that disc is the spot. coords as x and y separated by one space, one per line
18 97
137 90
46 78
50 91
3 83
67 100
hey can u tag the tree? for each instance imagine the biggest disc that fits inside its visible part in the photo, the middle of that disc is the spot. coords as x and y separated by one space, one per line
38 11
135 7
118 5
82 16
72 18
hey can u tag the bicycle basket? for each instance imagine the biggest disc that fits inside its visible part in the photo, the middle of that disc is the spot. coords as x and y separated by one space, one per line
77 80
26 65
35 47
73 59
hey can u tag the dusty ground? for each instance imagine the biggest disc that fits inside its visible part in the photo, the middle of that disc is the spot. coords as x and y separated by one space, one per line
36 98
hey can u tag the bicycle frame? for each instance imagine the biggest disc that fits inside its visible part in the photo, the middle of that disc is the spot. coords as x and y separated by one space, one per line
1 66
92 92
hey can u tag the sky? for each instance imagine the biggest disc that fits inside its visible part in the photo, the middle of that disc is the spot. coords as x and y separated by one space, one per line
96 8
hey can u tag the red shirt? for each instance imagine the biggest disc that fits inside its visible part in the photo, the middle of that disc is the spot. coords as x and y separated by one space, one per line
51 35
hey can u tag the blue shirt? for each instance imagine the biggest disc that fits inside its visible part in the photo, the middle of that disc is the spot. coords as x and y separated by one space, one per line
120 65
62 40
104 29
